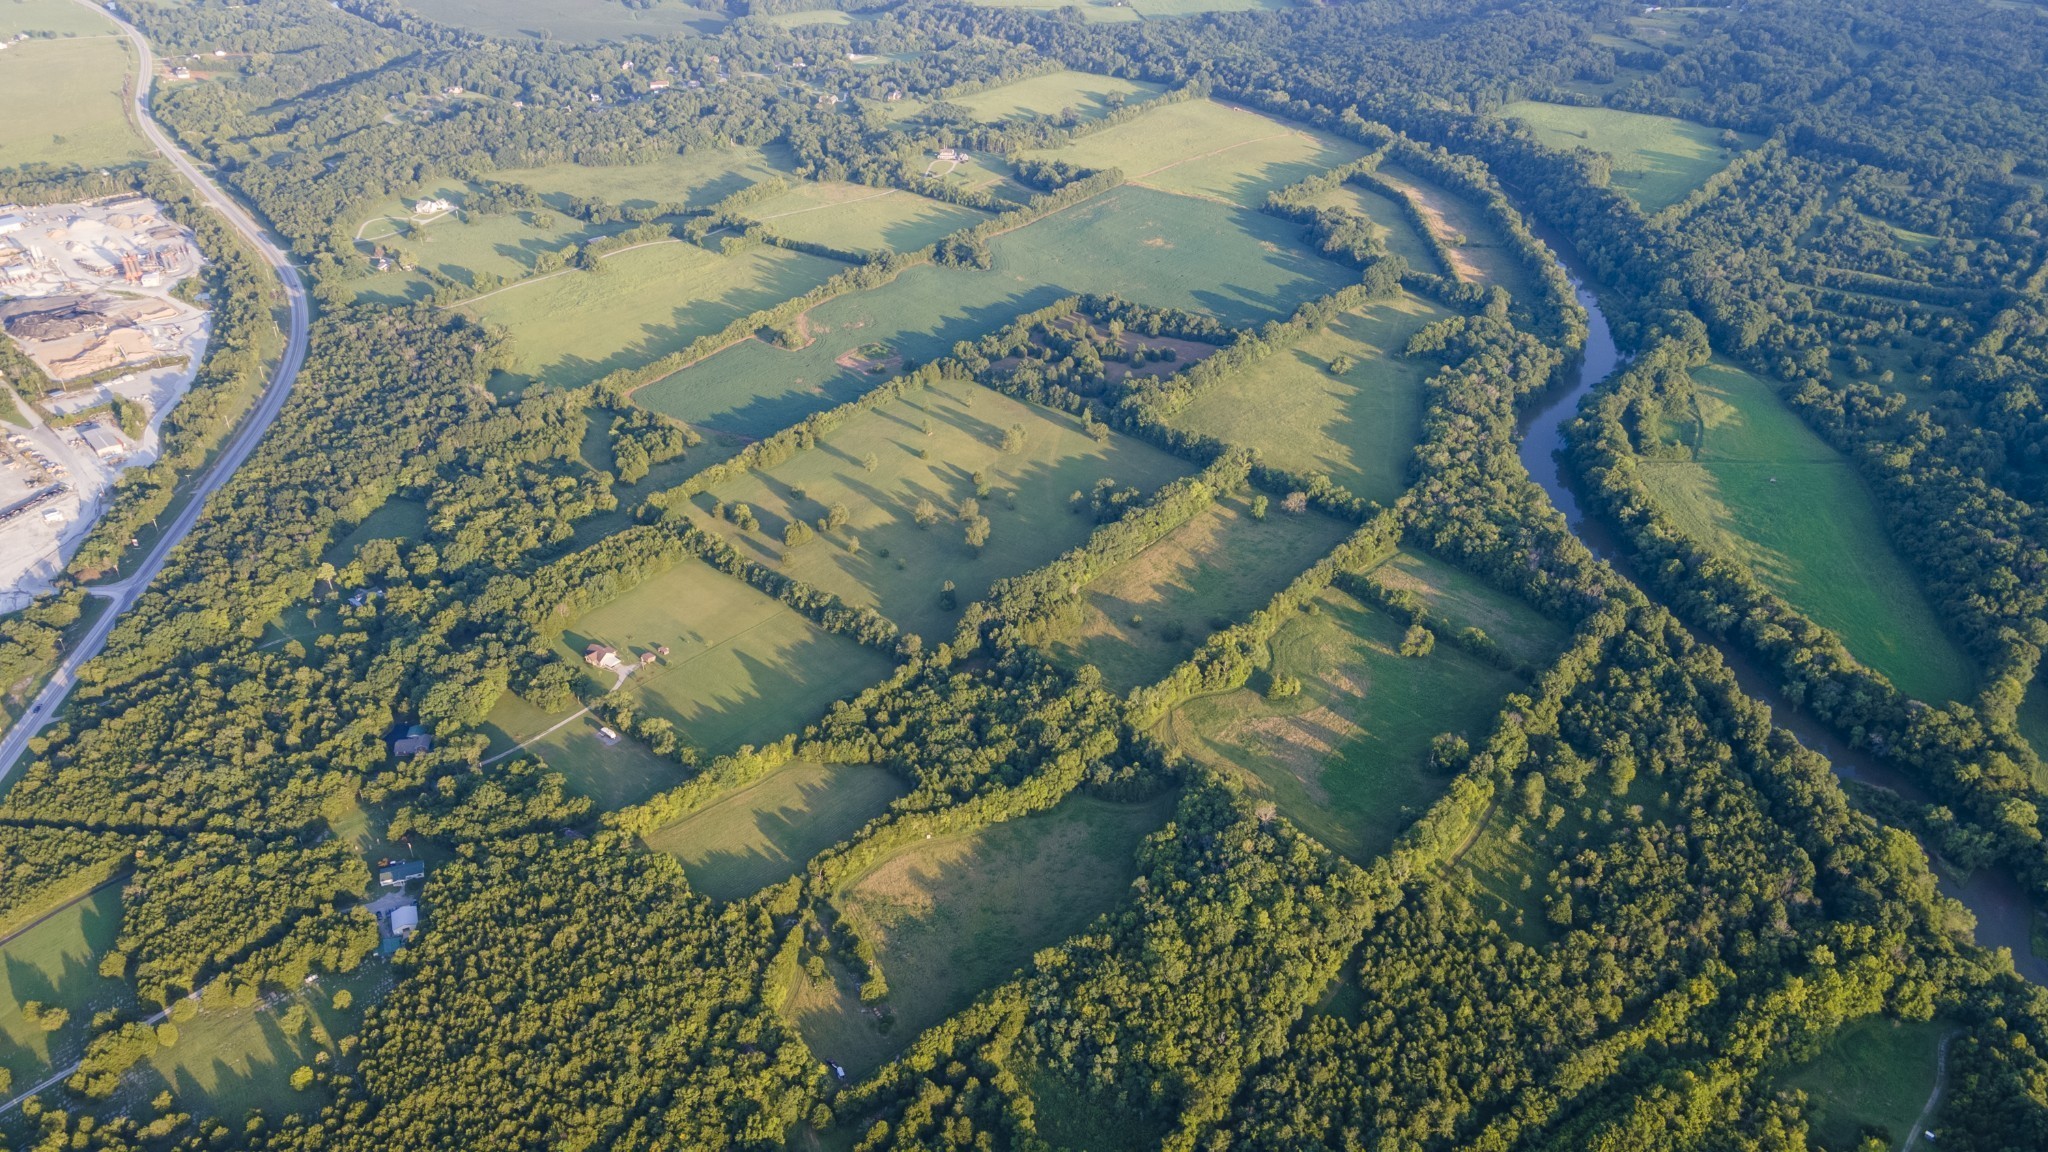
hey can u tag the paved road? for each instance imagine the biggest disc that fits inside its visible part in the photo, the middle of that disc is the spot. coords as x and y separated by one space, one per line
125 592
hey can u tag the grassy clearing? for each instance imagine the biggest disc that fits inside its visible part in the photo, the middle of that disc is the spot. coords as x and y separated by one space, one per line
1465 601
55 963
1039 97
1768 491
1347 758
953 916
1152 612
1242 267
1874 1072
396 519
460 246
571 328
1657 160
858 217
1390 222
764 833
1092 11
1358 427
576 21
63 89
699 178
808 18
2033 721
900 567
1479 252
613 776
1167 9
1203 148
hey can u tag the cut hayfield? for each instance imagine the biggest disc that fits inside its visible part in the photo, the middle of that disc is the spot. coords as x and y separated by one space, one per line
63 96
764 833
571 21
1359 426
1462 600
899 568
1087 94
1764 489
1153 611
55 962
1347 759
859 218
1203 148
1657 160
699 178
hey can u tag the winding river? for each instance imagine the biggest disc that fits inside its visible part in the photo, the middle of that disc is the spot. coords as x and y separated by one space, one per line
2004 917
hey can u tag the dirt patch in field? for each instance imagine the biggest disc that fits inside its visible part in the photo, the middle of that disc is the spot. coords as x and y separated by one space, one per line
872 359
1302 743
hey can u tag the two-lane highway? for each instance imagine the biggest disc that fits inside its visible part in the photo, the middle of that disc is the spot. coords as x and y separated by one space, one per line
255 422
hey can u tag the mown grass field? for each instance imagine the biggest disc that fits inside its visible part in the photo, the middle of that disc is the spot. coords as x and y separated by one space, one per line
62 89
1765 489
1874 1072
860 218
765 832
1092 11
1347 759
698 178
1359 427
900 567
55 963
575 21
1462 600
951 917
1203 148
1153 611
1240 266
573 327
1479 252
1041 97
458 245
396 519
612 776
1657 160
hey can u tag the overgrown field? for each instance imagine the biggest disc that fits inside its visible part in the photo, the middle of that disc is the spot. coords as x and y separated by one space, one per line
1203 148
573 327
575 21
954 916
859 218
1765 489
1478 250
1242 267
764 832
1658 160
926 450
1344 402
1874 1073
1347 758
1153 611
62 88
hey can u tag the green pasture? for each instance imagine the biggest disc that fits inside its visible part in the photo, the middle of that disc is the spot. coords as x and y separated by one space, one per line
1764 489
810 17
1479 251
1092 11
397 519
55 962
1462 601
765 832
952 916
458 245
1874 1072
611 775
1347 759
900 567
1047 96
860 218
1153 611
1359 427
62 89
1240 266
1390 221
572 327
1657 160
1211 150
1167 9
575 21
699 178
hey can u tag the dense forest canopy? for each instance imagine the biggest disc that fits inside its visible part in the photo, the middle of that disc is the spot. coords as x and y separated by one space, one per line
1502 840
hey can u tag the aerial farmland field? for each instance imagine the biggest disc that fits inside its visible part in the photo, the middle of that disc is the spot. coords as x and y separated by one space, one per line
1658 160
1209 149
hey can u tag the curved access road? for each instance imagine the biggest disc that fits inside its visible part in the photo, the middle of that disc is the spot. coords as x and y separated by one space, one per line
125 592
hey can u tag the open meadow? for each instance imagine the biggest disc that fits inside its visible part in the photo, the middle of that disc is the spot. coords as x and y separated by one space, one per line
1207 149
1479 252
698 178
1240 266
572 327
1357 426
1086 94
859 218
573 21
954 916
882 557
1152 612
1657 160
62 89
54 963
765 832
1347 758
1462 600
1092 11
1874 1072
1390 222
460 245
1763 488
